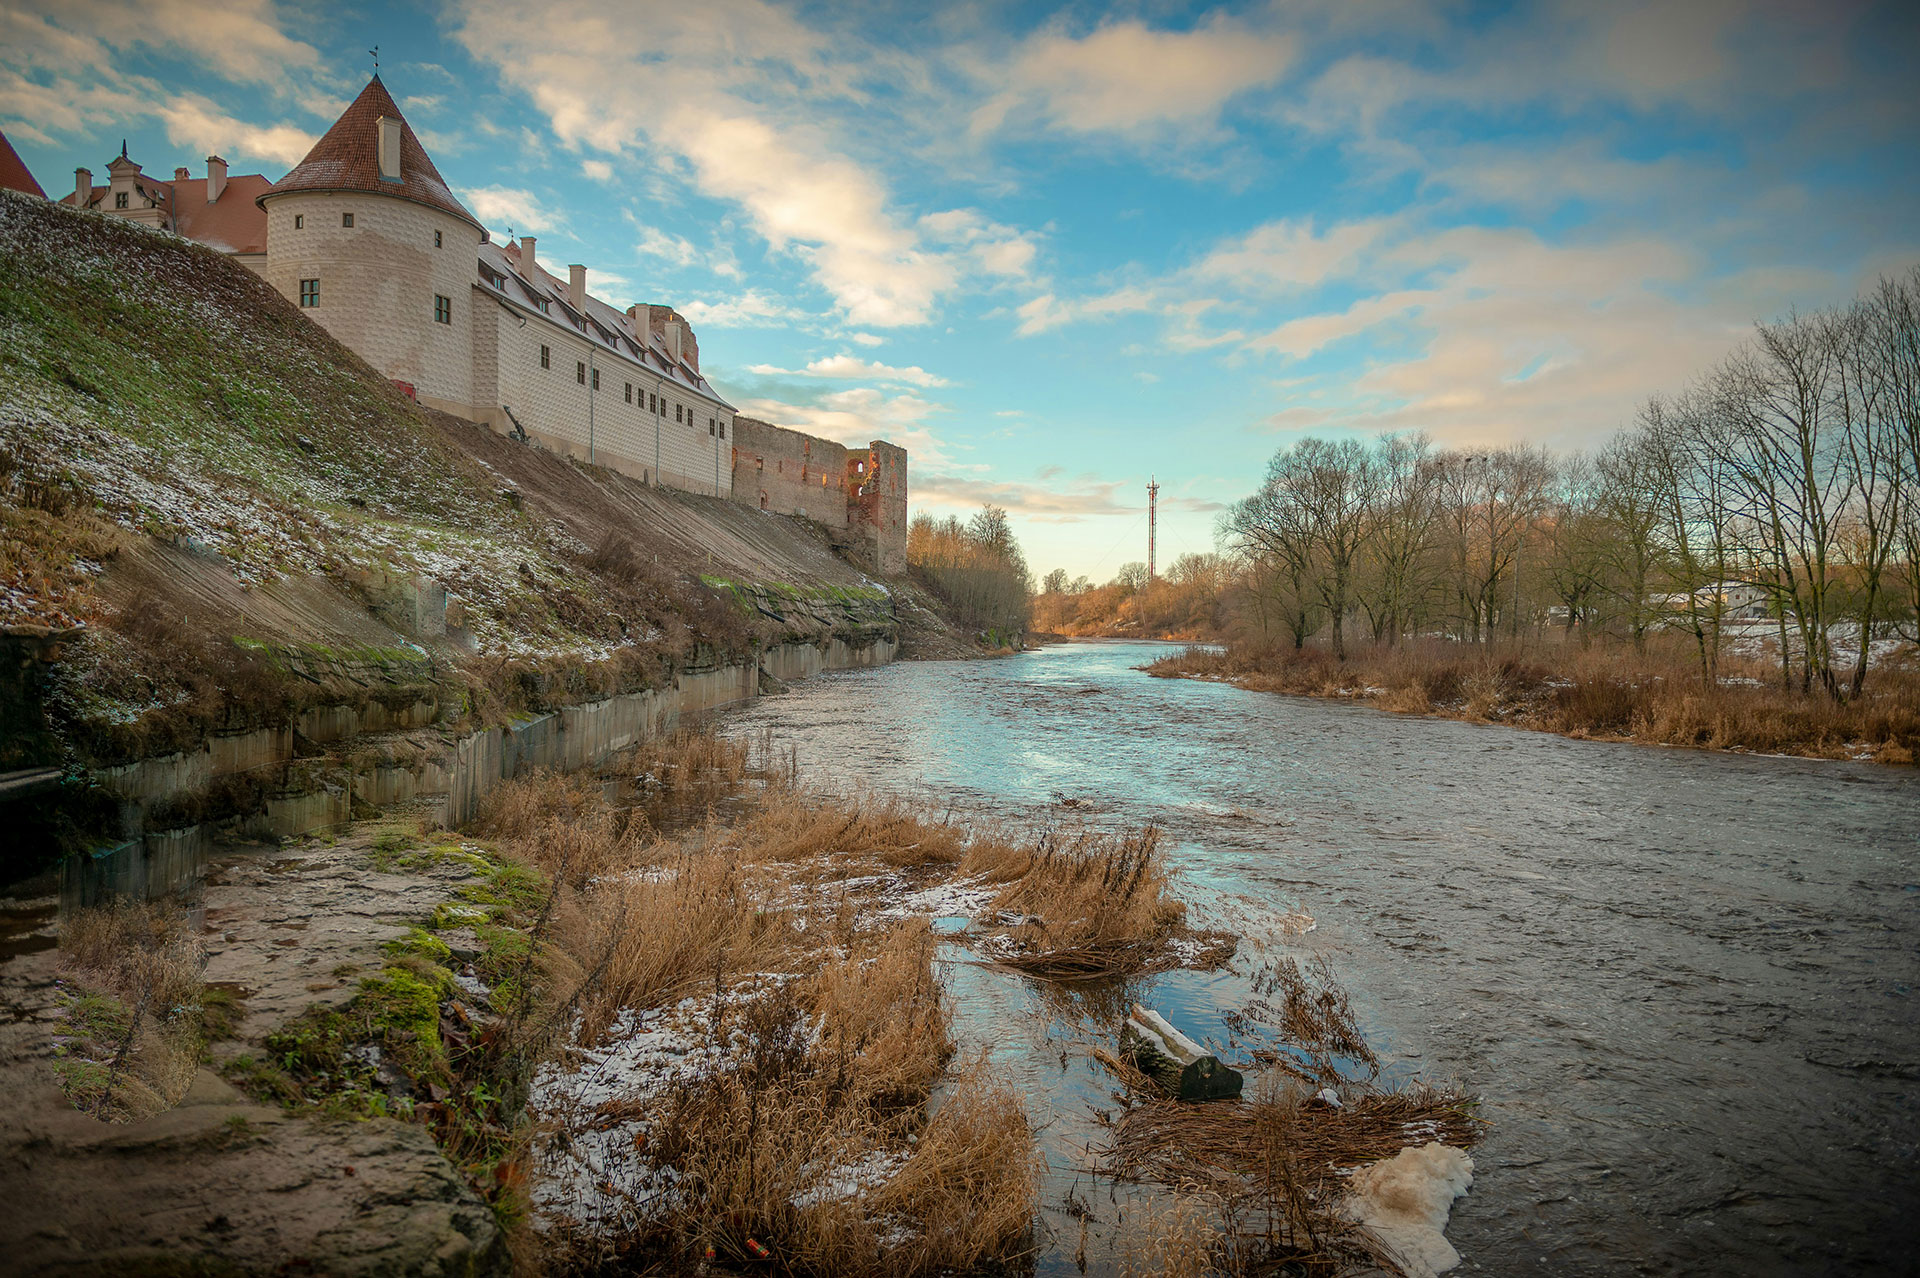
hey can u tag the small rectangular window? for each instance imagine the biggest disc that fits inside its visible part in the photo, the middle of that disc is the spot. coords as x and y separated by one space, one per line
580 372
546 357
653 402
120 200
436 239
723 430
299 220
629 392
676 411
709 426
596 379
309 292
442 309
346 219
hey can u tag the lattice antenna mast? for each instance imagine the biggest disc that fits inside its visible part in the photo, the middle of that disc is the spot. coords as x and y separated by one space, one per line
1153 515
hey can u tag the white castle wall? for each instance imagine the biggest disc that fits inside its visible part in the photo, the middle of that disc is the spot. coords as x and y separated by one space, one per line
378 279
551 403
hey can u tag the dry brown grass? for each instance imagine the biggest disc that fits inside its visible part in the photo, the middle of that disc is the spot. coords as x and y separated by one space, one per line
131 1037
830 1130
1083 903
1605 691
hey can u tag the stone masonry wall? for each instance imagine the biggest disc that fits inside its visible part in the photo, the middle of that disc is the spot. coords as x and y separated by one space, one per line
880 505
789 473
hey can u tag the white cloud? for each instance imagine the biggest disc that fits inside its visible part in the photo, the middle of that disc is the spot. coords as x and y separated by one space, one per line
866 339
750 309
241 39
851 368
1047 311
1289 254
752 136
195 123
1128 78
598 170
512 206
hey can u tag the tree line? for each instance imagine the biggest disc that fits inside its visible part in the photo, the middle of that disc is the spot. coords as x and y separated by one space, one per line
977 570
1780 490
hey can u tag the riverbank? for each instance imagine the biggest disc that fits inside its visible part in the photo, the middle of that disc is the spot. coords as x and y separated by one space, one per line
689 1006
1604 694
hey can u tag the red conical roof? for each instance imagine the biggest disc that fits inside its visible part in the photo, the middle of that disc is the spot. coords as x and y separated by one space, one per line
13 171
348 159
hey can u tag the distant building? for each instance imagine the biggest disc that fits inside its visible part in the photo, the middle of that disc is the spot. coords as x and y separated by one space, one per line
365 237
13 172
216 210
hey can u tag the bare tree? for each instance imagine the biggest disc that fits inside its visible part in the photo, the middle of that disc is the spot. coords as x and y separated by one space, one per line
1400 565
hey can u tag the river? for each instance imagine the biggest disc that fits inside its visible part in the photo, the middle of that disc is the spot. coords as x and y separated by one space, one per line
1683 983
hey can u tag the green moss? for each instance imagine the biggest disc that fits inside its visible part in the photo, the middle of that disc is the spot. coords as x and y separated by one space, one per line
419 943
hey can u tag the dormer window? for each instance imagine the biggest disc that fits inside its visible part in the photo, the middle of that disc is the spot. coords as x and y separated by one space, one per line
120 200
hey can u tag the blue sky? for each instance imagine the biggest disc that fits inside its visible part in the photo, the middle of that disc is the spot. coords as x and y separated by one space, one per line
1055 250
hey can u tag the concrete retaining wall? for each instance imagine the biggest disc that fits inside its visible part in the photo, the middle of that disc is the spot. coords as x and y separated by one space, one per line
149 863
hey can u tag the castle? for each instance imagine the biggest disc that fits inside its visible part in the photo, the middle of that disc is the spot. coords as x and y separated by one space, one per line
367 239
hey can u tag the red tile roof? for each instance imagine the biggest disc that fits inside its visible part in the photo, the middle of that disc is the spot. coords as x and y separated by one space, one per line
234 223
348 159
13 172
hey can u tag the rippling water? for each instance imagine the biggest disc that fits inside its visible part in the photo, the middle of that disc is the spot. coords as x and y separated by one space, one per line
1683 982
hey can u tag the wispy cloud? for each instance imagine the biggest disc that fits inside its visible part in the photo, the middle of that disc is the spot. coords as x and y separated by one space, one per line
852 368
1131 79
504 206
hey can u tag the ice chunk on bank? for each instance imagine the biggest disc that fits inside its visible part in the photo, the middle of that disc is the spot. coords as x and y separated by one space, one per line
1404 1201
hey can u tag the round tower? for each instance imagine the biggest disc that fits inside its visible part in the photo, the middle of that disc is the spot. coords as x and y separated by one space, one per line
364 236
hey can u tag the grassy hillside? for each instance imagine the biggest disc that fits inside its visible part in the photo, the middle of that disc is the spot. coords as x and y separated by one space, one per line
229 503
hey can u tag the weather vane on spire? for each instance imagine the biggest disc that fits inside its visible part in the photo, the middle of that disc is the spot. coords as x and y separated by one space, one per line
374 53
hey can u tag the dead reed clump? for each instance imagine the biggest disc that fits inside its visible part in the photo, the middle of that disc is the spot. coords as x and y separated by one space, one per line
693 760
807 1142
826 830
1089 904
1169 1237
664 932
965 1200
1274 1170
882 1016
132 1032
1298 1019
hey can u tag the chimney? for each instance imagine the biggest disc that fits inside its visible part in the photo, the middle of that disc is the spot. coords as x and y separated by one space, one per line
670 334
82 186
637 323
216 177
180 174
528 271
577 287
388 128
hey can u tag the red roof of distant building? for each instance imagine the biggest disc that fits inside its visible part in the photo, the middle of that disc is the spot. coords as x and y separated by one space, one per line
234 223
13 171
348 159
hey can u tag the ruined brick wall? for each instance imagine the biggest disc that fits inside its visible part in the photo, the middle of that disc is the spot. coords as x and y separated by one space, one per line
789 473
878 503
657 319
